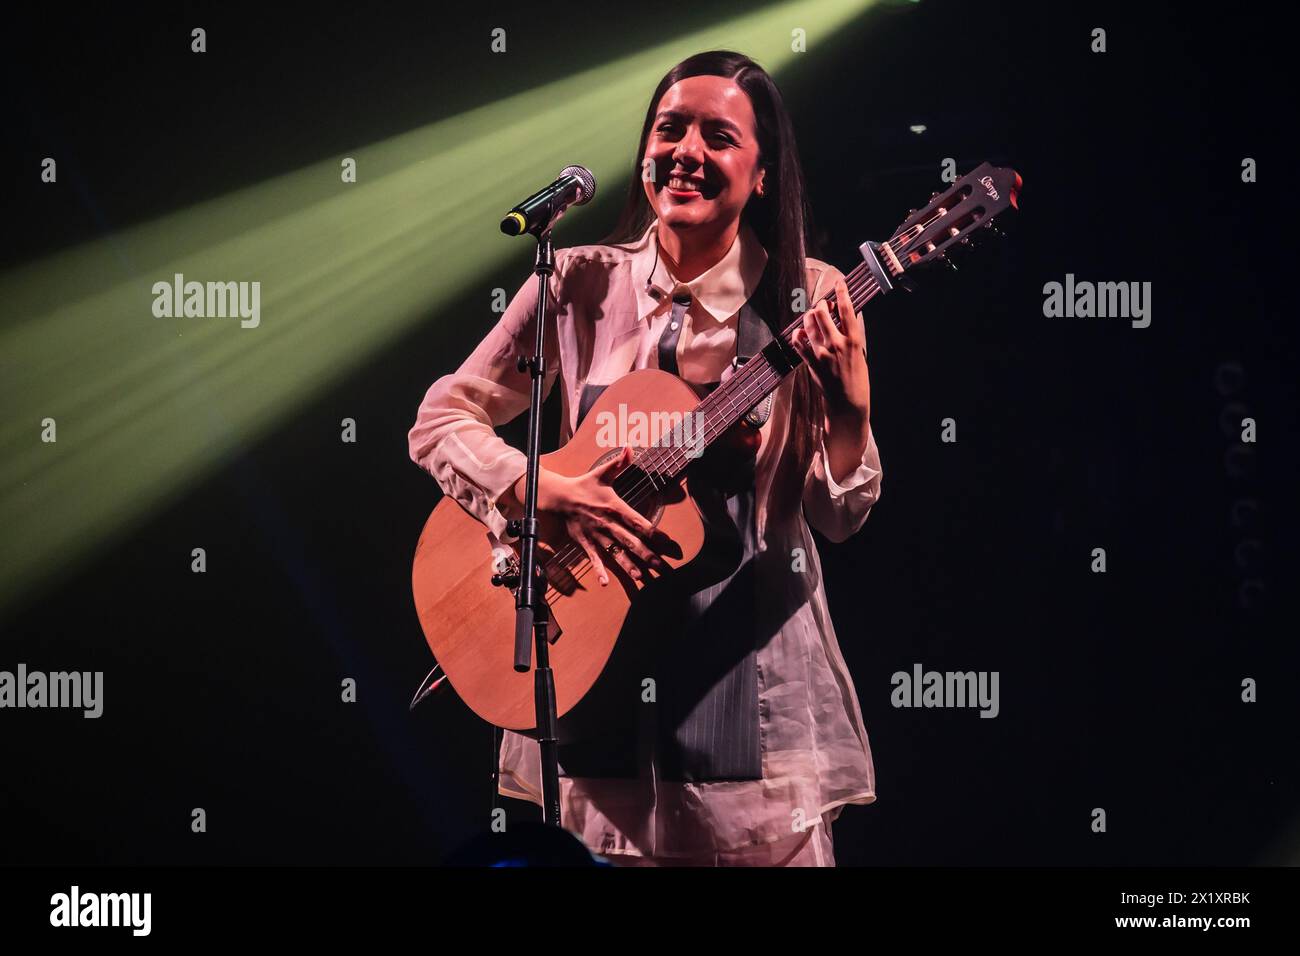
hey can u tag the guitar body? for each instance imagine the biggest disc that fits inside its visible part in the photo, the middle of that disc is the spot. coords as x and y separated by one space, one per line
470 624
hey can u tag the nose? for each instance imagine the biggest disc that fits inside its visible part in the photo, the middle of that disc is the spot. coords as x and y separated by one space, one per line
691 149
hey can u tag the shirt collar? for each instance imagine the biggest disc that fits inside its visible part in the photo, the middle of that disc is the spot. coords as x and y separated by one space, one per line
720 290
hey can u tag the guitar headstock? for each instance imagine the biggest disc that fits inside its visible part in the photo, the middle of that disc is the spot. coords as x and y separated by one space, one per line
952 215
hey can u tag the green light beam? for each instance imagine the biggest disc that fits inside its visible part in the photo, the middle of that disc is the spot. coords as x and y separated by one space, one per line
147 406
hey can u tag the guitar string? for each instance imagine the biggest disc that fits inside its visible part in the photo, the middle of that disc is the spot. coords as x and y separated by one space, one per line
859 280
738 393
743 394
763 376
746 397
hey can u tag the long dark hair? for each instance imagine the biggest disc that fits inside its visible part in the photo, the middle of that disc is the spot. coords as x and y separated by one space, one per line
781 219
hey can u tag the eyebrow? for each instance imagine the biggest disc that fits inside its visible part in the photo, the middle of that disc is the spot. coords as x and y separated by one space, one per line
716 121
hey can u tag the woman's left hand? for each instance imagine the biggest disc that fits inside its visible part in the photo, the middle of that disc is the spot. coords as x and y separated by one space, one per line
838 360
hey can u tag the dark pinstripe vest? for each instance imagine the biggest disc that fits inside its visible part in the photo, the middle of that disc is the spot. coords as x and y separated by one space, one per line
694 634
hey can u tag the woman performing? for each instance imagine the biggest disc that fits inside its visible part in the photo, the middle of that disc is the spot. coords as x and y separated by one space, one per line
729 733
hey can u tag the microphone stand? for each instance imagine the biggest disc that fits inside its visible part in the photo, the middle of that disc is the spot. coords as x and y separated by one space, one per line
531 610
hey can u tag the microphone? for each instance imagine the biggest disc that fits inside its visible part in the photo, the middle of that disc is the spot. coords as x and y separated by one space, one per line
575 187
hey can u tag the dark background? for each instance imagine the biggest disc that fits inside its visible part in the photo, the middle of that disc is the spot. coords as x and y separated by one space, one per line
1118 690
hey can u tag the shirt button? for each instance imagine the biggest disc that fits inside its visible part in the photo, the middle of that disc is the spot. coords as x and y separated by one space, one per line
673 326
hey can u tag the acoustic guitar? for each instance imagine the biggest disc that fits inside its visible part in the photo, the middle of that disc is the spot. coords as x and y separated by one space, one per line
469 621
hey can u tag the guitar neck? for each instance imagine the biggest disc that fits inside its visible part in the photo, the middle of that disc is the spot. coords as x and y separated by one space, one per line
666 461
928 235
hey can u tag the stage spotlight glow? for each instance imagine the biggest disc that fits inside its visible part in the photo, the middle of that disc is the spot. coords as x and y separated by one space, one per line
141 403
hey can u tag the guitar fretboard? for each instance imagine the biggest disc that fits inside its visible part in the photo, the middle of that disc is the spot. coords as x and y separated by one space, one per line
665 462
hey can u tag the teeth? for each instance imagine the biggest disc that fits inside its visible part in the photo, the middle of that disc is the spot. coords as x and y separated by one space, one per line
684 184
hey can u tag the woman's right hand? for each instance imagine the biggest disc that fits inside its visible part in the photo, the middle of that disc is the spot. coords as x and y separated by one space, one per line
595 517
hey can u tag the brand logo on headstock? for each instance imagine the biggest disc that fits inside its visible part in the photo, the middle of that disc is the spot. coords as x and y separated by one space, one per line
987 183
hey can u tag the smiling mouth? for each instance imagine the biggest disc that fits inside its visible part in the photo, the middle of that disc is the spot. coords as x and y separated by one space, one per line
686 186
